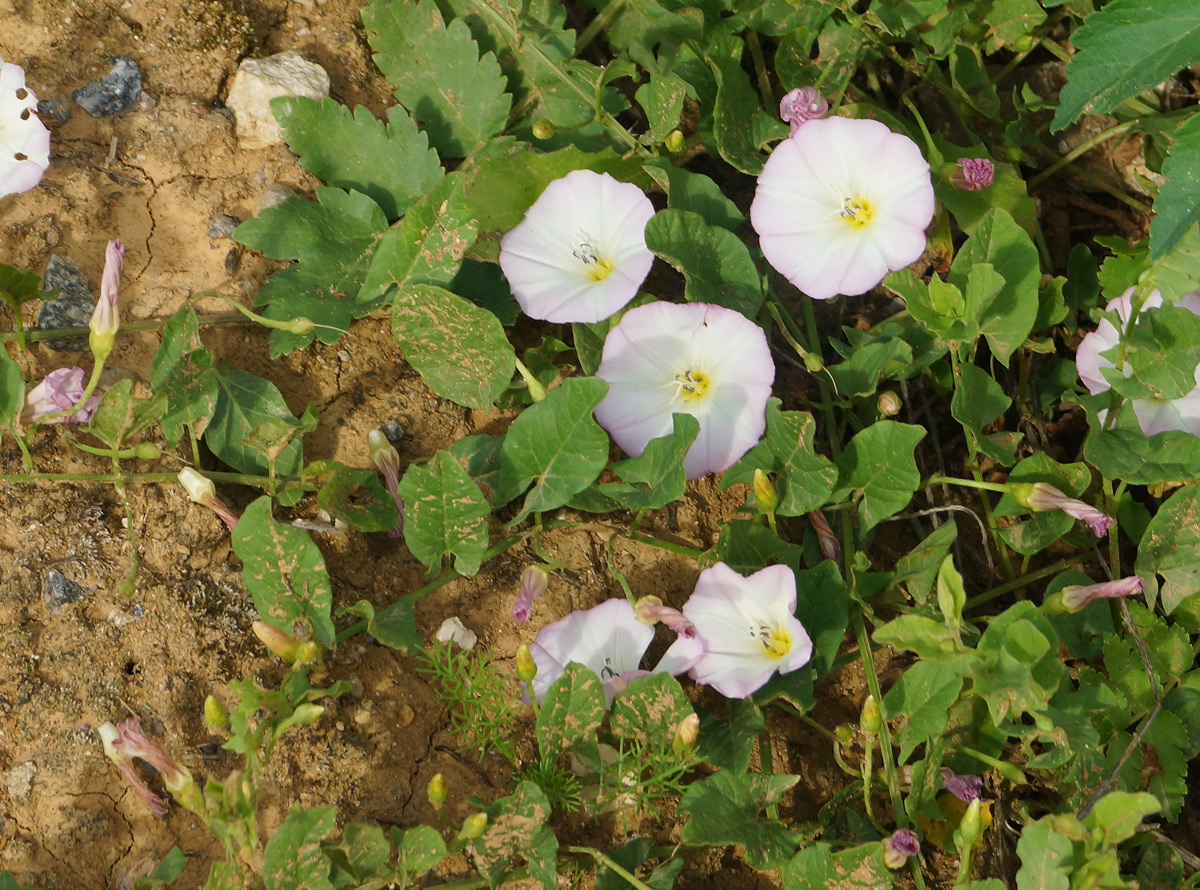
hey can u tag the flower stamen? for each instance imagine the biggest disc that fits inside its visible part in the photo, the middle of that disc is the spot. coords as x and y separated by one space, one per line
691 384
856 212
776 640
596 267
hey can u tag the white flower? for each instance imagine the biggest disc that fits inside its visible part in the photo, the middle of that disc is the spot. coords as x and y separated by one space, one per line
747 628
841 203
1153 415
580 252
24 141
698 359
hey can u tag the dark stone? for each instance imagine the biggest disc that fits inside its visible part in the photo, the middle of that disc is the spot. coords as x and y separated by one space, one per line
392 431
58 590
56 108
73 306
222 225
114 92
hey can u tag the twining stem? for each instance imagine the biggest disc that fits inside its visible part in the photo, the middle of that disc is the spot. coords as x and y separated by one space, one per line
885 733
601 859
133 478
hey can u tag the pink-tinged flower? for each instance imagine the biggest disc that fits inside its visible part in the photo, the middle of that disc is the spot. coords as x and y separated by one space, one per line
60 390
841 203
900 846
607 639
972 174
707 361
1075 597
651 610
124 742
801 105
966 788
746 628
106 317
387 460
200 490
534 581
24 140
580 252
1153 415
1041 496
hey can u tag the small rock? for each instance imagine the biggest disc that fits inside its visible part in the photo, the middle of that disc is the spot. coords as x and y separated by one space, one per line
114 92
58 590
73 306
406 715
258 81
56 108
222 225
392 431
19 779
120 618
454 629
272 196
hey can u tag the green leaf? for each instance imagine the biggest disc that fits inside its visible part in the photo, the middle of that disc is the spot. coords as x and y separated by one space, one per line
480 456
166 871
1170 549
741 126
662 101
365 849
817 867
715 263
445 514
439 77
459 349
642 28
747 546
333 239
630 857
516 825
284 571
918 569
243 402
1019 668
860 374
655 477
555 443
120 414
922 698
1041 529
19 286
650 710
687 190
727 743
978 400
804 479
1162 351
823 607
571 712
427 247
1117 815
357 497
724 809
930 639
183 372
1177 207
1046 857
395 626
292 858
392 163
12 392
878 468
420 849
1123 49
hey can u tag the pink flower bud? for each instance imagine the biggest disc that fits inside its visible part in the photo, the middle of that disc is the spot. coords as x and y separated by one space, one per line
801 105
387 460
60 390
650 610
965 788
898 847
201 490
1075 597
534 582
830 547
972 174
1040 497
106 318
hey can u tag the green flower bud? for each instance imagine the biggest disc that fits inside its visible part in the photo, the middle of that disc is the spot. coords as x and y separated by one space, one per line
889 403
278 642
844 733
473 826
526 666
686 734
871 720
437 791
765 495
543 129
674 141
146 451
214 715
970 827
307 714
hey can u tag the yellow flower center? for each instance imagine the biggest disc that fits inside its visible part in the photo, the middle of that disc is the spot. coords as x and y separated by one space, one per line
595 266
692 384
856 212
776 640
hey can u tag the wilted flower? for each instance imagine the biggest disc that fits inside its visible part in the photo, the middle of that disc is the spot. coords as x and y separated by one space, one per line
126 741
698 359
831 548
59 390
1153 415
650 610
898 847
534 581
106 318
966 788
200 490
840 204
972 174
801 105
580 252
24 140
1041 496
387 460
745 627
1075 597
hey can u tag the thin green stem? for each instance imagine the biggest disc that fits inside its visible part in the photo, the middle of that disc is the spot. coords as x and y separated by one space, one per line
588 34
885 733
662 545
814 345
1082 149
760 69
607 862
1000 487
766 766
1046 571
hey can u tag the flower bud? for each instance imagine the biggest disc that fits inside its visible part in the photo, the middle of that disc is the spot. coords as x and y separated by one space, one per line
307 714
1075 597
765 496
972 174
146 451
473 826
534 581
543 130
830 547
801 105
844 733
214 715
674 141
898 847
889 403
686 734
278 642
526 666
106 318
387 460
436 789
970 827
199 487
871 720
1041 497
650 610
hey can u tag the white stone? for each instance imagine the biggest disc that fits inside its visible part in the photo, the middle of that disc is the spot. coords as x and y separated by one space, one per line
258 81
453 629
19 779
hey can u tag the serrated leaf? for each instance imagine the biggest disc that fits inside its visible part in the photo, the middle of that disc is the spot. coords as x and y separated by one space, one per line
333 239
715 262
878 466
243 402
445 514
439 76
555 443
284 571
427 247
392 162
1177 207
1170 548
1122 49
292 858
571 711
741 126
459 349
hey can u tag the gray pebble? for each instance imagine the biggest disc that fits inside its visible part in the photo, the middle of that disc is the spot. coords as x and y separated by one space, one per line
58 590
392 431
222 225
56 108
112 93
73 306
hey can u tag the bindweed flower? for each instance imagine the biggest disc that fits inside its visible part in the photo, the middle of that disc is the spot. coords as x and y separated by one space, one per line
580 252
1075 597
801 105
1153 415
534 581
24 140
650 610
900 846
966 788
200 490
106 317
387 460
745 627
841 203
1040 497
126 741
698 359
972 174
59 390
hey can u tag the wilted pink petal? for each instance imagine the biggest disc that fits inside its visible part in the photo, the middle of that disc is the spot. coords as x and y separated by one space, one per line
900 846
972 174
966 788
1075 597
387 460
534 581
801 105
650 610
61 389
